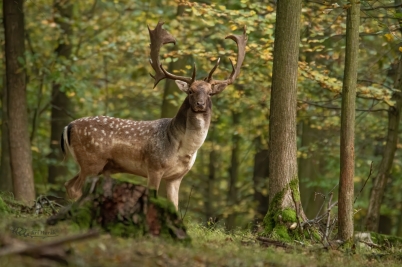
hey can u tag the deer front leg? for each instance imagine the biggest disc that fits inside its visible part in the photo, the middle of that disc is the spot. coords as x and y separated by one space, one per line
172 190
154 179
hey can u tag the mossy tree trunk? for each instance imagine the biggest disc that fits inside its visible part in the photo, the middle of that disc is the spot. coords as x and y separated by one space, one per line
284 196
60 102
123 209
347 156
20 146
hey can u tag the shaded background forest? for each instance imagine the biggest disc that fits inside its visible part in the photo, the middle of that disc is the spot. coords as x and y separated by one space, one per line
91 58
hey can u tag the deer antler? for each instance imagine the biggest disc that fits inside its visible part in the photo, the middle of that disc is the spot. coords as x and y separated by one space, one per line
241 41
159 37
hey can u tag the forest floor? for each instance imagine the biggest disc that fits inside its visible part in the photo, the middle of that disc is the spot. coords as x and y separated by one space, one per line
209 247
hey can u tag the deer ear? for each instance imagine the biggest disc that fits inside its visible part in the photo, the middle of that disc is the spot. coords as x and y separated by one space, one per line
182 85
216 89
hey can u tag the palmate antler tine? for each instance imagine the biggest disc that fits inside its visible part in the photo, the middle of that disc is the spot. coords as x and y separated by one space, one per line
241 41
159 37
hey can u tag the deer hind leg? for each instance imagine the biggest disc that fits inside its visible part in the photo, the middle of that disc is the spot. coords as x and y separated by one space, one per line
172 190
74 186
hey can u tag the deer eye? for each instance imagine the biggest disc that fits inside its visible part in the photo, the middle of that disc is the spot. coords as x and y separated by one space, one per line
190 92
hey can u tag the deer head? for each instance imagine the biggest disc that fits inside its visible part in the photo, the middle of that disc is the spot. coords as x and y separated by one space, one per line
198 91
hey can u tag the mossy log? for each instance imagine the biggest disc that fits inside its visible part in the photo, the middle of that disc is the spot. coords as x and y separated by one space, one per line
123 209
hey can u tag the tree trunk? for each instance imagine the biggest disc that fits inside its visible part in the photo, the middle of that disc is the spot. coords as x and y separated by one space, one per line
6 181
123 209
60 102
284 195
209 212
20 147
169 109
309 171
233 173
260 179
394 116
377 193
346 184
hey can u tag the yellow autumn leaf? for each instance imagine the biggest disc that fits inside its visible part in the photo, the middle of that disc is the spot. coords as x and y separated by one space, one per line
400 48
389 37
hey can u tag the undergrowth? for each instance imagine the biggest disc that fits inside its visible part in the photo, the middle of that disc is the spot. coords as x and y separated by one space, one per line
209 247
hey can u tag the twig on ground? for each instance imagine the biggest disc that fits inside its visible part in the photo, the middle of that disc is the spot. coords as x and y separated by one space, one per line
270 242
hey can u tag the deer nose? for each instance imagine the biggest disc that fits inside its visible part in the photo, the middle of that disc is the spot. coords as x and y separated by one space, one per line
200 103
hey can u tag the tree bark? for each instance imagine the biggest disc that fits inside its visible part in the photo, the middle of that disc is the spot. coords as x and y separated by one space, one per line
60 102
6 180
233 173
260 179
168 109
309 171
384 170
20 147
209 212
284 195
123 209
346 183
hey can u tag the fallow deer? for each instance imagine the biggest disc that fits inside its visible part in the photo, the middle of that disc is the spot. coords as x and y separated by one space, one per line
159 149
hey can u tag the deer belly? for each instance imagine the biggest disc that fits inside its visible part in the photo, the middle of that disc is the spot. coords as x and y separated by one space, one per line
180 166
126 166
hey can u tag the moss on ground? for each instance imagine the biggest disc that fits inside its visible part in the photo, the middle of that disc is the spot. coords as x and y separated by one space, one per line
386 240
4 209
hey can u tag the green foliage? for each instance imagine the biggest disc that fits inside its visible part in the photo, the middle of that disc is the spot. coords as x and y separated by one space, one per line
3 207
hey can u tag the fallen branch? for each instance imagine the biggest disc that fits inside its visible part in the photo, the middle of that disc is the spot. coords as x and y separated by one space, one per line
15 246
270 242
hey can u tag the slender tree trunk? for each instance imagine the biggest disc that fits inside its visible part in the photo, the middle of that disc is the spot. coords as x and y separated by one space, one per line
60 101
20 147
309 171
169 109
377 193
260 179
347 160
6 180
209 212
284 195
233 172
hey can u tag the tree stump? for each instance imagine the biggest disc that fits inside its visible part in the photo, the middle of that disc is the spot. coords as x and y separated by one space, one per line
123 209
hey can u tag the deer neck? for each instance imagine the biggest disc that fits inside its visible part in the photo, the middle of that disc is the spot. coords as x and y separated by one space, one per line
191 128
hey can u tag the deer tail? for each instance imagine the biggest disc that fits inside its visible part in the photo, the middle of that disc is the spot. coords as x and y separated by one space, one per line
65 141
